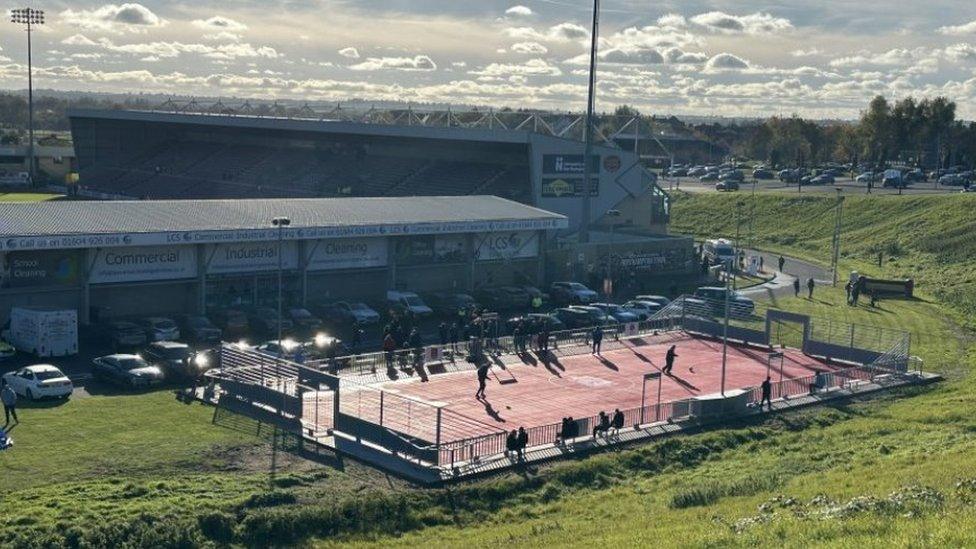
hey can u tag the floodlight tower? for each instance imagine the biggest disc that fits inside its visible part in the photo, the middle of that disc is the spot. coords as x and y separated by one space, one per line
29 17
584 233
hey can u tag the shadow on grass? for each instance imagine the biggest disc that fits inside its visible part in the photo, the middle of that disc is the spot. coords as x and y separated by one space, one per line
291 443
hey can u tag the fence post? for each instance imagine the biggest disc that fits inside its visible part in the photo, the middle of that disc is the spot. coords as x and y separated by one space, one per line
437 441
853 326
381 407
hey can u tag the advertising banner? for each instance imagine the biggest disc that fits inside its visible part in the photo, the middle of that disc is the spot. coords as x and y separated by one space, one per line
42 268
138 263
415 251
451 248
558 187
348 253
568 163
249 257
514 245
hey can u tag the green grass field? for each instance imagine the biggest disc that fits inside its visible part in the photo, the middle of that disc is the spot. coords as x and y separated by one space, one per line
28 197
897 469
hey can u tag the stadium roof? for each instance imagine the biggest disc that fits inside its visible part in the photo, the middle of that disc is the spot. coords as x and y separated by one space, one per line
85 224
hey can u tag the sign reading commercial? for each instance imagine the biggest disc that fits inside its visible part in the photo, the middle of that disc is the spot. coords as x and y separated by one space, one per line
515 245
42 268
559 187
568 163
139 263
348 253
248 257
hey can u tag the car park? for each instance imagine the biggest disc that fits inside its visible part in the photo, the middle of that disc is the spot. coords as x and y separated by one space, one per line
952 180
407 302
503 298
739 305
617 313
728 185
198 329
868 177
572 293
663 301
731 175
303 320
533 293
643 309
346 312
893 179
264 320
233 322
596 315
126 370
709 177
159 328
822 179
572 318
122 334
448 303
762 173
176 360
536 321
39 381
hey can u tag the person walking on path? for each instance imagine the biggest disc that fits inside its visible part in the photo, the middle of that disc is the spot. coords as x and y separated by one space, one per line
597 340
782 262
482 380
767 394
796 287
9 398
669 360
810 285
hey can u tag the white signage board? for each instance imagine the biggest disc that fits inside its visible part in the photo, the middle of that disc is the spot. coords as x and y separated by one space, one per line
250 257
347 253
507 245
138 263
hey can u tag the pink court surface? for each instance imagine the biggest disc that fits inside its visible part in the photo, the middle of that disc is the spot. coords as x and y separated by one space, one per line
583 385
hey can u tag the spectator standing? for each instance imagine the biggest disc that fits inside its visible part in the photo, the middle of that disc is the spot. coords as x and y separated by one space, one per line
522 440
357 338
810 285
767 394
597 339
796 287
9 398
849 288
511 442
782 263
389 349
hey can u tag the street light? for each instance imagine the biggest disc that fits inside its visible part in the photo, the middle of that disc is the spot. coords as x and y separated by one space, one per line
584 233
29 17
281 223
608 285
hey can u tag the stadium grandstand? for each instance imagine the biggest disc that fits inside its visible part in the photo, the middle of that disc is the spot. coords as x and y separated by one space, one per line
189 152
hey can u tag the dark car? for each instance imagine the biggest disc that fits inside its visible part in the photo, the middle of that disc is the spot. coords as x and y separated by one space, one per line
176 360
232 321
571 293
347 312
535 322
739 305
727 185
503 298
198 329
128 370
303 320
572 318
448 303
617 313
762 174
122 334
731 175
265 320
709 177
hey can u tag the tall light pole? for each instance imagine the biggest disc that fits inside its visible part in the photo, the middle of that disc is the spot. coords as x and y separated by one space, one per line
608 286
835 256
29 17
584 234
281 223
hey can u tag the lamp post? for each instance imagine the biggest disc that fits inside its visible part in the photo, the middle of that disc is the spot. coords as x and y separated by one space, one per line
584 233
835 255
29 17
281 223
608 286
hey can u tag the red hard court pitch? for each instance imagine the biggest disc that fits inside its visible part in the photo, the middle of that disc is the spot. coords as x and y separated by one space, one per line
583 385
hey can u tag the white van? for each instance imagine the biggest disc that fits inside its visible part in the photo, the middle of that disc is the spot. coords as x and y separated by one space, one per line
719 251
407 301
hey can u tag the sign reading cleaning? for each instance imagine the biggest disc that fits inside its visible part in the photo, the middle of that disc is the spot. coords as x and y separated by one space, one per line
139 263
247 257
348 253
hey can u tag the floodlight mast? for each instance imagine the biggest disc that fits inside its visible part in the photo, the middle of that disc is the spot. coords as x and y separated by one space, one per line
29 17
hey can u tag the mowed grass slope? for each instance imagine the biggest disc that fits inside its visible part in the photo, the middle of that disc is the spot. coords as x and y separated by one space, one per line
28 197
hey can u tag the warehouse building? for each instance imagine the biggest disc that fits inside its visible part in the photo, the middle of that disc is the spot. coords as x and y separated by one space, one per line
124 258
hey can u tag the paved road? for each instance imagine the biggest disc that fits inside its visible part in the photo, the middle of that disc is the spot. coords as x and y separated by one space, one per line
782 283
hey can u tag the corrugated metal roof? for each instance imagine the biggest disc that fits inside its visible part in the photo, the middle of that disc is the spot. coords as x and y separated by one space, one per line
159 216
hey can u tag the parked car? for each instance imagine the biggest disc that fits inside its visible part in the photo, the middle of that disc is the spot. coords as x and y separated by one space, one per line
122 334
596 316
264 320
503 298
6 350
643 309
535 321
952 180
407 302
303 320
345 312
159 328
739 305
198 329
176 360
572 293
708 177
129 370
868 177
534 292
233 322
822 179
617 313
39 381
762 173
727 185
893 179
653 298
572 318
731 175
288 348
449 303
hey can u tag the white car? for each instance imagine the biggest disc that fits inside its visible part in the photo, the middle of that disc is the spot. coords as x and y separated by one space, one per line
643 309
39 381
160 328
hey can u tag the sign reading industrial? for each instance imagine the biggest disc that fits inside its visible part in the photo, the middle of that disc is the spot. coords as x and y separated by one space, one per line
247 257
347 253
138 263
515 245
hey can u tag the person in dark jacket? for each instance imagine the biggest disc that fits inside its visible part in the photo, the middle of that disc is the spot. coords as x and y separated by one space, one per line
522 440
9 399
617 423
796 287
810 285
669 360
597 336
767 394
482 380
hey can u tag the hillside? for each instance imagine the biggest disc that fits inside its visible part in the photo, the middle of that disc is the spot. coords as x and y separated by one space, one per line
930 238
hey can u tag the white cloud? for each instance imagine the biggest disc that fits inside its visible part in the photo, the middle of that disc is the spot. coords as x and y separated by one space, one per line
519 10
891 58
529 47
569 31
725 62
961 52
219 23
223 36
563 32
756 23
417 63
79 40
806 53
350 53
532 67
154 51
672 20
114 18
966 28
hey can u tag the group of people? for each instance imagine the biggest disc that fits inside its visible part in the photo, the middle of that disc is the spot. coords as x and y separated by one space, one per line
534 334
810 286
516 441
605 424
855 288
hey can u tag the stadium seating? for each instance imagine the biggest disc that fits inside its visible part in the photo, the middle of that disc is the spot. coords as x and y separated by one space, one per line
201 169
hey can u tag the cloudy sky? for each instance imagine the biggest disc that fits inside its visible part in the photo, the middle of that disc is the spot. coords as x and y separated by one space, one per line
821 58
